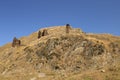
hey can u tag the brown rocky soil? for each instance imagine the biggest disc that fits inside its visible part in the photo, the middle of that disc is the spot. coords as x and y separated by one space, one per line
62 56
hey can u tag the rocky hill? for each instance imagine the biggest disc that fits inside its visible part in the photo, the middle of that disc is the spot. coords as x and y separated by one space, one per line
62 56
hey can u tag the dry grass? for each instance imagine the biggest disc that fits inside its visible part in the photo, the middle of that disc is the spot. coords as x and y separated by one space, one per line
10 56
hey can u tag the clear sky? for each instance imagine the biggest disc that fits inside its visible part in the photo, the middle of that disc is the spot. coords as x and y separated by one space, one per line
23 17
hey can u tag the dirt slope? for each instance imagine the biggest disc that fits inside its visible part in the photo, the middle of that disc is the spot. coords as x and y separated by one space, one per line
62 56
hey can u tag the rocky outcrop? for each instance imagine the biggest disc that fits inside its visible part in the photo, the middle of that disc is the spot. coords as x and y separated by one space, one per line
69 52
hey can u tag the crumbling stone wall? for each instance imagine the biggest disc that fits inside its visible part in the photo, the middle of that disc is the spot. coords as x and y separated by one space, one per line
44 33
39 34
16 42
68 28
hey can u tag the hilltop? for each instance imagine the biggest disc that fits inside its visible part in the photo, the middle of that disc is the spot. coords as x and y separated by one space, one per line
62 56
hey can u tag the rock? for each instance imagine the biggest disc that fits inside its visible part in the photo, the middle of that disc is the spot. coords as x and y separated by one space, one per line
34 78
41 75
2 68
103 71
79 50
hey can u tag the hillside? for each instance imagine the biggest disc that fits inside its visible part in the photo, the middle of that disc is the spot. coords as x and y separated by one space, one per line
62 56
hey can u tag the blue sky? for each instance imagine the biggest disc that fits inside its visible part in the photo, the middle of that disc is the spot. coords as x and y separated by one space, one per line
23 17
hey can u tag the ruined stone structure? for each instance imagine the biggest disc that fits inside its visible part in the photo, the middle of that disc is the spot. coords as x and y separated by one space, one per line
44 33
39 34
68 28
16 42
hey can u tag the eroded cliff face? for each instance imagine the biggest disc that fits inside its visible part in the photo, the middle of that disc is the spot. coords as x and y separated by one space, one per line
60 53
